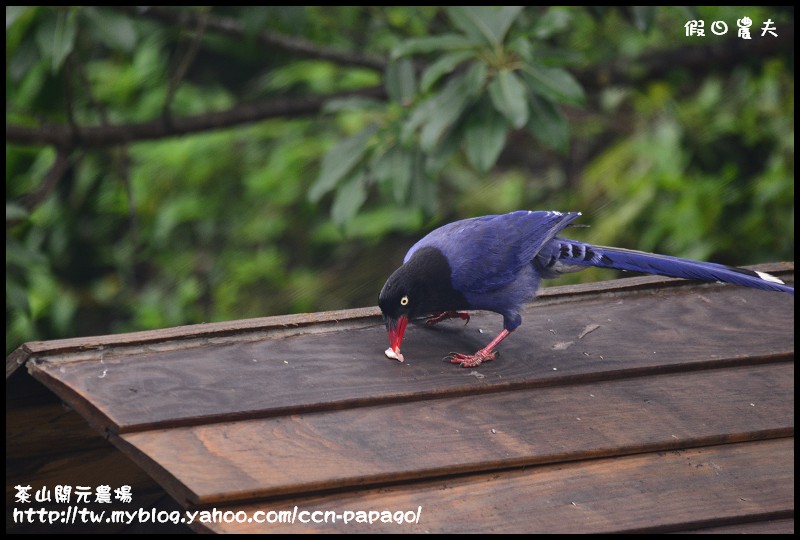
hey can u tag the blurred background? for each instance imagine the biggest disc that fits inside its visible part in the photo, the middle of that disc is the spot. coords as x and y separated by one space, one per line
168 166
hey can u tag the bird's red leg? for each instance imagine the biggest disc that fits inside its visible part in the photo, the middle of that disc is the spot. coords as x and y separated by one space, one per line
484 355
436 318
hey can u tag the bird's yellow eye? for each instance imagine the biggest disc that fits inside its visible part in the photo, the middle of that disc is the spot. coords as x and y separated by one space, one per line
404 301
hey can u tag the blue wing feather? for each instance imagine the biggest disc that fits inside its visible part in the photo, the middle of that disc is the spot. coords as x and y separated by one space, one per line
564 255
497 261
486 253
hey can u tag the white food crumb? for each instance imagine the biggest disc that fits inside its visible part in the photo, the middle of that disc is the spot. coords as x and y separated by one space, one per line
393 355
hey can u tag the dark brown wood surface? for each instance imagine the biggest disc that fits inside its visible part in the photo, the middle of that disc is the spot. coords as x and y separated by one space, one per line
640 400
389 443
48 445
647 331
654 492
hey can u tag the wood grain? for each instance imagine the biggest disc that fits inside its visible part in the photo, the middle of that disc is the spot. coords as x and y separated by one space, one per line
633 332
652 492
637 405
220 462
280 326
93 466
771 526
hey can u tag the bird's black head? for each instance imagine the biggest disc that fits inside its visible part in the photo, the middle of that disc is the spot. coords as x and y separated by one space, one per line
422 285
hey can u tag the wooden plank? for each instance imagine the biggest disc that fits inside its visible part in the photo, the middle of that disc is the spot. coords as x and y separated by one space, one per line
49 445
222 329
653 492
17 358
267 327
772 526
92 467
31 432
601 337
209 464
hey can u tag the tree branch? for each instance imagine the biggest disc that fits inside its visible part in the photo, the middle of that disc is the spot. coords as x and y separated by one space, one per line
233 28
99 136
55 173
695 58
699 59
186 61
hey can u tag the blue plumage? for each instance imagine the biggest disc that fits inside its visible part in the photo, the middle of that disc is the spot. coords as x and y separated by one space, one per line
495 263
488 252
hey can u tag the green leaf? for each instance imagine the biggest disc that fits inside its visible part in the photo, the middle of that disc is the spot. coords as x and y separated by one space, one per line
475 79
401 81
15 12
553 20
484 136
439 111
450 104
442 66
15 212
417 117
548 125
23 256
554 83
438 123
501 19
113 28
255 19
349 198
16 295
56 36
394 168
340 161
444 42
439 157
376 223
423 188
445 109
523 47
688 12
486 23
466 20
509 96
21 65
355 103
643 17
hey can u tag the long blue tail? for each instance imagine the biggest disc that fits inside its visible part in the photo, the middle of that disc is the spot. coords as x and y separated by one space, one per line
562 255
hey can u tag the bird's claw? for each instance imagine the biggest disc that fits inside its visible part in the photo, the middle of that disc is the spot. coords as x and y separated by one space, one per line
436 318
471 360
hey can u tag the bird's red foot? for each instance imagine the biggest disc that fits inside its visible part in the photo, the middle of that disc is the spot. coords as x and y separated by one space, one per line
472 360
436 318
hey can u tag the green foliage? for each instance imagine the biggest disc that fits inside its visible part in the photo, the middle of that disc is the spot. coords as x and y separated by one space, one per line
685 182
485 82
486 110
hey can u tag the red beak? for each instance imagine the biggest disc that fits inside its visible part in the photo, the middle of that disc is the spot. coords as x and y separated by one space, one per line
396 327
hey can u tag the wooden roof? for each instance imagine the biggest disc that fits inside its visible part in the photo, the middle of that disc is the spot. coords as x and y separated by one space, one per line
644 403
